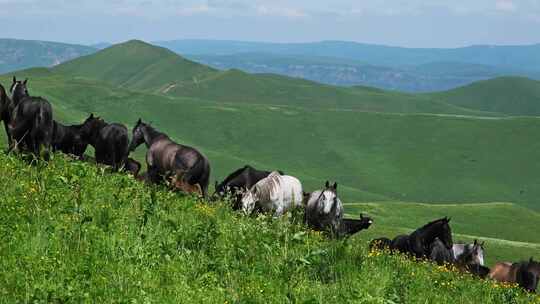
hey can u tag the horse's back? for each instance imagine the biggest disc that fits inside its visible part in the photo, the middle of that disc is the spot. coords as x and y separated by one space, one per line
502 272
292 188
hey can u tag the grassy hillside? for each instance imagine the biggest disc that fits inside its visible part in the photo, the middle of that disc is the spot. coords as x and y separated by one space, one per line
508 95
431 77
18 54
140 66
136 65
374 156
72 233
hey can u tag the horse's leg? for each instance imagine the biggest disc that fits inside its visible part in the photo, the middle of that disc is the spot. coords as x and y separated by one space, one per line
8 134
153 174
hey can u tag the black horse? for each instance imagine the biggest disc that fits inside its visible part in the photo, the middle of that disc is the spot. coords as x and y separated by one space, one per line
68 139
5 113
348 227
440 254
132 166
165 157
239 181
418 243
30 120
110 141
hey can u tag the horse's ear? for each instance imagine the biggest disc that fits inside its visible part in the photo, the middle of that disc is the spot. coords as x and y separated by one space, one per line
25 81
327 184
361 215
14 79
475 242
447 219
91 115
139 121
335 186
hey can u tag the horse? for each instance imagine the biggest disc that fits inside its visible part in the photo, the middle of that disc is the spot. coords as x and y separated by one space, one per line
474 252
110 141
440 254
30 120
5 113
418 242
380 244
525 274
348 227
164 157
324 209
132 166
68 139
237 182
179 183
275 193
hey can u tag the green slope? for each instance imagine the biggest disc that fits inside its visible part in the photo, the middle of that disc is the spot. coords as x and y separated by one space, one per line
374 156
506 95
135 65
72 233
141 66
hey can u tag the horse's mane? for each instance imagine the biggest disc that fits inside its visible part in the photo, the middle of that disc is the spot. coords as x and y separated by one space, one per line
235 174
432 223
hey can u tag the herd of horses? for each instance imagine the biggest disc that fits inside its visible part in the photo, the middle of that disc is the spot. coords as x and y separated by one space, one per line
30 128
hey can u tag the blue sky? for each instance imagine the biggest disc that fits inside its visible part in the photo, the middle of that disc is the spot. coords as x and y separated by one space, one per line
414 23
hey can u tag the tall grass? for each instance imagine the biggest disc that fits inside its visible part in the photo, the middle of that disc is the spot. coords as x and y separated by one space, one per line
73 233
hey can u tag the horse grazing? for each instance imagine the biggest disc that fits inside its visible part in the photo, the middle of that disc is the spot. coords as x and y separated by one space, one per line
165 158
237 182
380 244
349 227
324 209
179 183
418 242
275 193
68 139
440 254
132 166
525 273
30 120
110 141
469 253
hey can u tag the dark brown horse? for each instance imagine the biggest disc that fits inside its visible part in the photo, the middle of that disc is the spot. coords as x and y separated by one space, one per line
30 120
166 158
418 243
68 139
110 141
5 114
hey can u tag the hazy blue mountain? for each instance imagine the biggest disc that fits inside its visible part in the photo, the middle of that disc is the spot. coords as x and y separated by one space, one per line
101 45
436 76
18 54
505 56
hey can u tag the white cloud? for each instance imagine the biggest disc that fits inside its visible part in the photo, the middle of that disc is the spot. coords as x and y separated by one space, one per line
505 6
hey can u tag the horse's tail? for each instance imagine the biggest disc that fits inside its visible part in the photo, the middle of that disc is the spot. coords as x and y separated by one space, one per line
43 124
200 174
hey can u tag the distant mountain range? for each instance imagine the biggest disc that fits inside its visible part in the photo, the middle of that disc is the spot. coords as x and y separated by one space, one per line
19 54
328 62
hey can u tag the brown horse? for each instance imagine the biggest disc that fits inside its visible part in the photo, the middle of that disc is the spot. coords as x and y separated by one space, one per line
166 158
525 274
178 182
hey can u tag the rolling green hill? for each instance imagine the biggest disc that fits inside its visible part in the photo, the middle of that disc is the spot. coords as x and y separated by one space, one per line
374 156
508 95
136 65
140 66
18 54
73 233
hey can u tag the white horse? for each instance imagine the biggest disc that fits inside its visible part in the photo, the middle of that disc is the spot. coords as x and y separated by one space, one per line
475 250
274 193
324 209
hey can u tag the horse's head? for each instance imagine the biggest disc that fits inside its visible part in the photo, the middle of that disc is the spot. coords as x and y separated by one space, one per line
328 200
477 252
249 199
137 137
445 233
91 126
18 90
365 220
